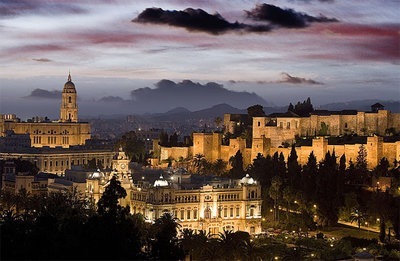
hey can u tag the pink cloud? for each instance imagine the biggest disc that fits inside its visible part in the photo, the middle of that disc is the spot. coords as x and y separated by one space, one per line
355 41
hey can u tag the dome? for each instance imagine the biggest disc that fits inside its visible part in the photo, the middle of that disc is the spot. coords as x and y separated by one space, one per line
161 182
247 180
96 175
69 86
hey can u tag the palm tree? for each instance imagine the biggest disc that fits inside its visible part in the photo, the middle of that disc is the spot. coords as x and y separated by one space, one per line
233 244
199 161
357 216
165 237
219 167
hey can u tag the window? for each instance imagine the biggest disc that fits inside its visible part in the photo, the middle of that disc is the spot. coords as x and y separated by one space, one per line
225 212
207 213
69 99
195 214
251 212
237 211
188 214
182 214
288 125
345 125
259 124
281 125
252 230
231 212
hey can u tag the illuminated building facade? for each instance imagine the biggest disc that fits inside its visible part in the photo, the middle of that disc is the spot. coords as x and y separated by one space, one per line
65 132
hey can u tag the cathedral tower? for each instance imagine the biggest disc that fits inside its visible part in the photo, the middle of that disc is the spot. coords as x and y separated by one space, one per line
69 108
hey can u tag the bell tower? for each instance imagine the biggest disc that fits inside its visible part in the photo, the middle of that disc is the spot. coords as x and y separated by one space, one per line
69 108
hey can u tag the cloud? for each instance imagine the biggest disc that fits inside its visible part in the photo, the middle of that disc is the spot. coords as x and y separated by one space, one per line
322 1
287 78
111 99
43 60
44 94
349 42
195 20
285 17
19 7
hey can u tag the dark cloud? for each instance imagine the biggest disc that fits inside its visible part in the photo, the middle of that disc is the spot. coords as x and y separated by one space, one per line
195 20
287 78
44 94
284 17
18 7
111 99
191 95
43 60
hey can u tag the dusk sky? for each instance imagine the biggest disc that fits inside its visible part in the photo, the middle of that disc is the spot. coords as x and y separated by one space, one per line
330 50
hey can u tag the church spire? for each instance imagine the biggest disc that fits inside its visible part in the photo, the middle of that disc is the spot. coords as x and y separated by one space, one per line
69 76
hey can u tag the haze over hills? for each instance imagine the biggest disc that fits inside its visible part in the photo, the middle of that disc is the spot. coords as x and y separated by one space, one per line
180 100
182 114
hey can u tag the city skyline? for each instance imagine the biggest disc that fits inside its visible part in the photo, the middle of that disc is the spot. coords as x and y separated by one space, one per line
340 51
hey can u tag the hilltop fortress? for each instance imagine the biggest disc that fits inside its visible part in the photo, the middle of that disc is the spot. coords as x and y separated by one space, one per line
276 132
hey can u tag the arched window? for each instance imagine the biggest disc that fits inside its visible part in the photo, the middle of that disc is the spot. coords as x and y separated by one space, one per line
69 99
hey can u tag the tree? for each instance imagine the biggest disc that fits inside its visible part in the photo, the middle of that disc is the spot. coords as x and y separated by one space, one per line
108 204
326 191
357 216
164 141
291 107
382 169
256 111
289 196
382 231
236 162
293 169
199 162
361 165
132 145
165 242
309 176
219 167
275 193
173 140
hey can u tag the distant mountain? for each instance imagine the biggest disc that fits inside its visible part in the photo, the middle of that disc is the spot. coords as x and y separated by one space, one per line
218 111
361 105
182 114
178 110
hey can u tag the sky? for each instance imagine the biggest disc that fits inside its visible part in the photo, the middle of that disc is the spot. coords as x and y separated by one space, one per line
284 51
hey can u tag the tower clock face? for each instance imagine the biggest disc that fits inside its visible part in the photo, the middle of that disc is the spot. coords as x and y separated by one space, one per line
122 166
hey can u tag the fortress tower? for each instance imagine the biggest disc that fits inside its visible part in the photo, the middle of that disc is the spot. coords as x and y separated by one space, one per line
69 108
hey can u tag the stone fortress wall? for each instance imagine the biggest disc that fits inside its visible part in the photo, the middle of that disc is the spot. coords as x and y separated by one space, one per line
269 133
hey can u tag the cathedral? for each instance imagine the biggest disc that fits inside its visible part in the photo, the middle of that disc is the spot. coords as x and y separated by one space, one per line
65 132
